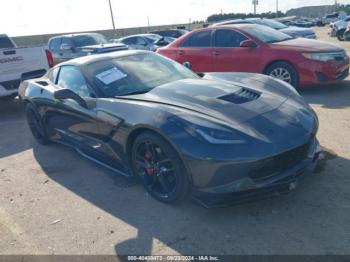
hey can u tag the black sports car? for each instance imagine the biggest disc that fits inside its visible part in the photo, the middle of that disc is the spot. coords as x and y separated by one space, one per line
222 137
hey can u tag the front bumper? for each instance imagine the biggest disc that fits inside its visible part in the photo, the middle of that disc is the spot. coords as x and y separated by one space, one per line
321 73
9 88
247 189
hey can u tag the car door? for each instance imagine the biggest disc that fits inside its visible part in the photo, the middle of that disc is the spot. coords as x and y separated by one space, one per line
67 54
197 49
86 128
229 56
68 121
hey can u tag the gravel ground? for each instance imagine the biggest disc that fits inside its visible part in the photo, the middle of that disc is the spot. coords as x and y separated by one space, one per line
52 201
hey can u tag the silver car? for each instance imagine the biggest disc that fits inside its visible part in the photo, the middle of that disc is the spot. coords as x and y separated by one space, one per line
149 42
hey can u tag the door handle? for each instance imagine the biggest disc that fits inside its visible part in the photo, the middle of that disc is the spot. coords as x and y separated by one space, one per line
216 53
181 52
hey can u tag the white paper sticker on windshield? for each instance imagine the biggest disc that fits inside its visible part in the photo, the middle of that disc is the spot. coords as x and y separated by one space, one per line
111 75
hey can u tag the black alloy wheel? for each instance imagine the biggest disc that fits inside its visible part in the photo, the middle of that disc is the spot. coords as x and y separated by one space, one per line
35 125
160 169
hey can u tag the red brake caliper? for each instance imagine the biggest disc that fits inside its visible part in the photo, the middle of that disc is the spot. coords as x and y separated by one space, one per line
149 169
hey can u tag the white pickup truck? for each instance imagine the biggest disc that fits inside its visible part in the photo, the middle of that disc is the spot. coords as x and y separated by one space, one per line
20 63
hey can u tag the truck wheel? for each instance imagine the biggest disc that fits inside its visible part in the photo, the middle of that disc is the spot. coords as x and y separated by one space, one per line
9 98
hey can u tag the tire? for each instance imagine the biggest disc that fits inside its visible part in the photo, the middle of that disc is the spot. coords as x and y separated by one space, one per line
36 126
286 71
9 98
340 35
161 171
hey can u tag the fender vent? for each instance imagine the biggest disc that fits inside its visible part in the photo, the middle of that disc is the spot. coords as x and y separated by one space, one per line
242 96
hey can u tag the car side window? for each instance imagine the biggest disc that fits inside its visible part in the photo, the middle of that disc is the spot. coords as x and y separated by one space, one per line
130 41
55 44
140 41
70 77
198 39
228 38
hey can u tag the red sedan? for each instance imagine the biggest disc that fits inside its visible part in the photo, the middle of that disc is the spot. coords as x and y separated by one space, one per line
259 49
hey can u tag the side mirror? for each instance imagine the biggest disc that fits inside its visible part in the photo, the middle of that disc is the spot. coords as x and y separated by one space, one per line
65 93
187 64
248 43
67 47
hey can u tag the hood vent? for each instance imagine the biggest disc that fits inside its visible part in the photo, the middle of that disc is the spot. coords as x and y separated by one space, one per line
242 96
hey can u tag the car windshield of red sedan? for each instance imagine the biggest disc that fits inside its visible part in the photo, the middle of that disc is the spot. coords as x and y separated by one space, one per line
136 74
266 34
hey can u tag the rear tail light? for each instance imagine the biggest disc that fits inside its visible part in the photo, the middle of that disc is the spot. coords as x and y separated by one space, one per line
49 57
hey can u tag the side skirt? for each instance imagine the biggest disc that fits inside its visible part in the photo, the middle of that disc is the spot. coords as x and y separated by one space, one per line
95 160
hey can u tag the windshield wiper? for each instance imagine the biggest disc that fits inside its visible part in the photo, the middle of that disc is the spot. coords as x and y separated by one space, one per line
139 92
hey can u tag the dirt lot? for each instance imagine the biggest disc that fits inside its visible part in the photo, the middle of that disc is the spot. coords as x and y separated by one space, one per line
52 201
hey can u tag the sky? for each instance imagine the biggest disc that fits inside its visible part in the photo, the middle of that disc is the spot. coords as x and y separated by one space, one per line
30 17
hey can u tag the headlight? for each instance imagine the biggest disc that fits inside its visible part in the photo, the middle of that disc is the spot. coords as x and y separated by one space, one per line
208 131
324 57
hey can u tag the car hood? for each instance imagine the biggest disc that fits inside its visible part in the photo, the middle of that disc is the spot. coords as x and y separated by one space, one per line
306 45
297 31
103 48
263 111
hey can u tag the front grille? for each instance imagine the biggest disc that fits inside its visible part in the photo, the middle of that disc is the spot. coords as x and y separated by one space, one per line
275 165
11 85
243 95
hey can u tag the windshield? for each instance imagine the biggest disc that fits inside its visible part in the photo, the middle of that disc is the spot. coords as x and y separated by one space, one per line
267 34
87 40
271 23
136 73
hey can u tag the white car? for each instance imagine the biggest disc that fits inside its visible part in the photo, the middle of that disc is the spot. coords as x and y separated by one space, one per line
20 63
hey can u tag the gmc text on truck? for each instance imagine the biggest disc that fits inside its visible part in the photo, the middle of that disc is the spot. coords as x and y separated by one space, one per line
20 63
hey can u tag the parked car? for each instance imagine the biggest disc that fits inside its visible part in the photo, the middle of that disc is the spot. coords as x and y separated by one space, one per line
330 18
289 30
260 49
338 28
174 33
150 42
66 47
303 22
225 137
20 63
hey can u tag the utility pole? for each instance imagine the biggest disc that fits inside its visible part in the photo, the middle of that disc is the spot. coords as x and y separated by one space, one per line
255 3
149 25
276 8
112 17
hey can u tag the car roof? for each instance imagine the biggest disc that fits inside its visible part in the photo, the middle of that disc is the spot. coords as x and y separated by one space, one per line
86 60
138 35
242 20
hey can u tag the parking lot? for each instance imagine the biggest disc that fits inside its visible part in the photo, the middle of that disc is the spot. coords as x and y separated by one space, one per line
53 201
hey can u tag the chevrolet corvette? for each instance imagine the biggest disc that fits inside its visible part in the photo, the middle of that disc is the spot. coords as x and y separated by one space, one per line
221 138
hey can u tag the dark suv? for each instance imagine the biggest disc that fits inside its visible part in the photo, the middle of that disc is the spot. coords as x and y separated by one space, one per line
67 47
